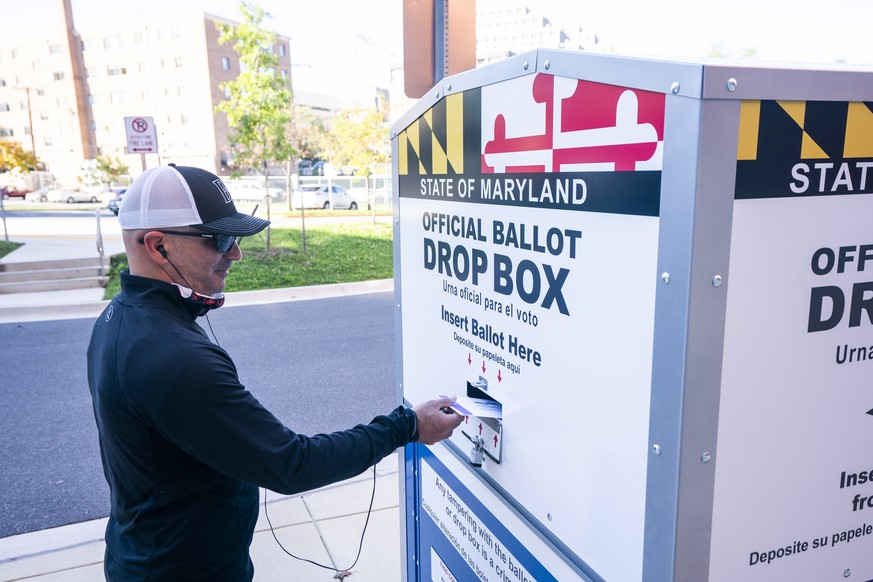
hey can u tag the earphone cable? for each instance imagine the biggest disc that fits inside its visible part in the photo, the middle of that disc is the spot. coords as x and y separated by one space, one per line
360 543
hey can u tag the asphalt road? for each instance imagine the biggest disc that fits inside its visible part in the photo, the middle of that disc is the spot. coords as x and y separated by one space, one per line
318 365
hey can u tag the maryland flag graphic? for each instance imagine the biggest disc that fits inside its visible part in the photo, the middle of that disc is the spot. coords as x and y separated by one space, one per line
443 141
804 148
539 140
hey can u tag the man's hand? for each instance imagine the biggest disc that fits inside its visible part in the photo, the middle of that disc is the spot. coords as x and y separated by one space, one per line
436 421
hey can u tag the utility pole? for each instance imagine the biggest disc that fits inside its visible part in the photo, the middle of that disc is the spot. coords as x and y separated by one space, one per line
27 90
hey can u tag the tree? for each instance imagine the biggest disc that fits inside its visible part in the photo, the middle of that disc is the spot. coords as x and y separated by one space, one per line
13 156
258 107
359 138
309 133
108 169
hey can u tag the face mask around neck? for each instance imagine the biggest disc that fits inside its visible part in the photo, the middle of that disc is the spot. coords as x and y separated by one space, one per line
206 302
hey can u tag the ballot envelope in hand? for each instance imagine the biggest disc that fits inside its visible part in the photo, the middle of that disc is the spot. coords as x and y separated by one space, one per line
480 407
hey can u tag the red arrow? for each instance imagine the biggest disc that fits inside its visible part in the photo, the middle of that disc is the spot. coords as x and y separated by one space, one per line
499 379
483 366
495 441
480 428
469 360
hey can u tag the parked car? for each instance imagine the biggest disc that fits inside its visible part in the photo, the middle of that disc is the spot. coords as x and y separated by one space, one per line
254 192
37 195
115 203
361 196
12 192
71 196
320 197
310 168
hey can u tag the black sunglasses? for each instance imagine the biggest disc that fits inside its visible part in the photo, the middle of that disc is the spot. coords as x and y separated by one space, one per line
223 242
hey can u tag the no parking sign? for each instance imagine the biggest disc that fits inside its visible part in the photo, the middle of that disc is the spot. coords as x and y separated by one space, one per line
142 138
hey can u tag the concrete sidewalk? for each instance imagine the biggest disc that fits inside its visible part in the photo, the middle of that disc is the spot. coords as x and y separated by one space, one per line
324 526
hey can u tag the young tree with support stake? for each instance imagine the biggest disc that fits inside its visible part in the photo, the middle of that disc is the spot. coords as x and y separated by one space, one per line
258 108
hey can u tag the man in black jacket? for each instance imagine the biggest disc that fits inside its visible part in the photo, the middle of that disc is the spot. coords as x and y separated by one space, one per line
184 445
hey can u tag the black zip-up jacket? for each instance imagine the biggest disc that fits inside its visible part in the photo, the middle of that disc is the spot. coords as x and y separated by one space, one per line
185 446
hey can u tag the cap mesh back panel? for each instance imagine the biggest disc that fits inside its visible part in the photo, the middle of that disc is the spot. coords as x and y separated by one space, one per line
158 198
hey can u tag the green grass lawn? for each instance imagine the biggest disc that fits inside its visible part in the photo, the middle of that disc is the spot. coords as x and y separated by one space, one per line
335 253
8 247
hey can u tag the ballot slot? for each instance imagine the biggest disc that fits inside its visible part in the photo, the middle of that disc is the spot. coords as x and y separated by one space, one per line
484 429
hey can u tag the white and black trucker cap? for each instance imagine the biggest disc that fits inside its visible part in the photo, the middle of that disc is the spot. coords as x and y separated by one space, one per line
184 196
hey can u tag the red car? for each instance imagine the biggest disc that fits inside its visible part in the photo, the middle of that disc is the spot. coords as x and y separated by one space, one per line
10 192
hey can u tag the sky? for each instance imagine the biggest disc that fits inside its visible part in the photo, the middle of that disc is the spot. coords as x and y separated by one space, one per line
341 46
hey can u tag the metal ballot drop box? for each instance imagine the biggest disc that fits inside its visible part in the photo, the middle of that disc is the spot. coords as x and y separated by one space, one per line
662 273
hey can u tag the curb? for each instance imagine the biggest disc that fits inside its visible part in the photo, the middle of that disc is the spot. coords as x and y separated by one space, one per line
92 309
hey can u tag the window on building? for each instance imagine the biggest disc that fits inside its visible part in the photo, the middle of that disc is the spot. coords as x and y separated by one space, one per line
174 33
114 71
282 50
180 90
58 76
5 132
37 65
47 140
54 49
117 97
40 91
178 62
43 116
2 82
13 53
4 107
225 63
183 119
111 42
284 73
226 92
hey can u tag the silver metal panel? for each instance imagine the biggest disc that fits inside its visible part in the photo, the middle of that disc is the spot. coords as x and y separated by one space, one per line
678 78
696 208
681 138
787 83
398 349
713 208
517 66
398 324
694 248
